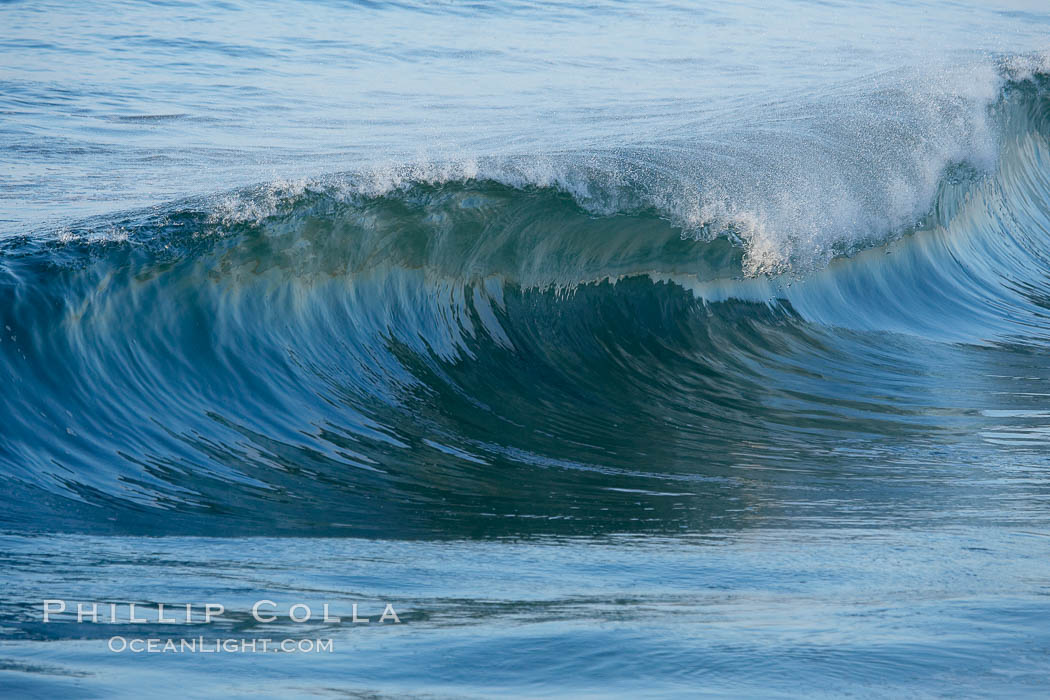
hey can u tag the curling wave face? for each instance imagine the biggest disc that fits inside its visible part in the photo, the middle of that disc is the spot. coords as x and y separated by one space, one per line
494 346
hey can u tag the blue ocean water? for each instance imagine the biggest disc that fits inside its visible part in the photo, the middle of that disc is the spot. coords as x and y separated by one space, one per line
642 350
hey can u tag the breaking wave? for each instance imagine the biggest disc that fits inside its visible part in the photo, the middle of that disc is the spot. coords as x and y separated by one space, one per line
577 342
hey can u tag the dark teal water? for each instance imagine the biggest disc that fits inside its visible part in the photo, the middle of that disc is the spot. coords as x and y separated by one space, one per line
631 351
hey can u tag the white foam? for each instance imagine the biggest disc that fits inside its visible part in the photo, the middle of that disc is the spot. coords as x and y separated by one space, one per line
795 184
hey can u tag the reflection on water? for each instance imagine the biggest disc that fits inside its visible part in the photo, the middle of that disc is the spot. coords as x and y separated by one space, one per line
942 609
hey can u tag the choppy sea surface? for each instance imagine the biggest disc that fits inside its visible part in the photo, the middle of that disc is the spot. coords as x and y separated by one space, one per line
625 349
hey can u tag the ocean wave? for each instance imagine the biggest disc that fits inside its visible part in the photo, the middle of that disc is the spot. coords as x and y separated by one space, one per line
384 352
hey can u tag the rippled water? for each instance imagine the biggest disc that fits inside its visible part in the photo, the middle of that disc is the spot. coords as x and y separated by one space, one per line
640 350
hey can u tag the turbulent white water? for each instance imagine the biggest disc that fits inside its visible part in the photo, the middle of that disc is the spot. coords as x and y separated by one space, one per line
794 183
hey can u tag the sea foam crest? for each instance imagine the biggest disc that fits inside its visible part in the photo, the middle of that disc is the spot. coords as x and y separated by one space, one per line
795 184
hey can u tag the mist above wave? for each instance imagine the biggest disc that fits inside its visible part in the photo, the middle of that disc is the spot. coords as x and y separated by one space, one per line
792 183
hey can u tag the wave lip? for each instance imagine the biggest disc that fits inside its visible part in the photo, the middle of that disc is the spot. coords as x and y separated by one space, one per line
794 184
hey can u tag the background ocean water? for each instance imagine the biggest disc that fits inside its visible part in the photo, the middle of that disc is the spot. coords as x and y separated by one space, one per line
642 350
